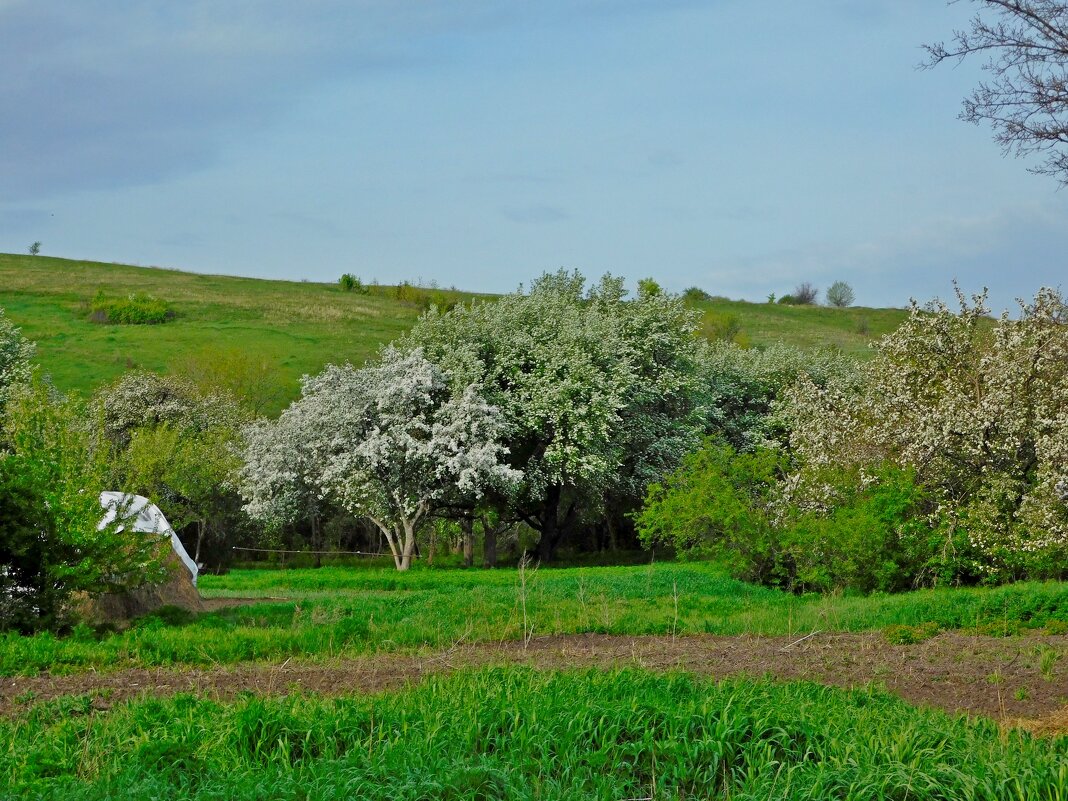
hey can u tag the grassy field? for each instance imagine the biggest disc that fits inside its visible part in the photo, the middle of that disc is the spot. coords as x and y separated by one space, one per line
296 327
518 734
336 612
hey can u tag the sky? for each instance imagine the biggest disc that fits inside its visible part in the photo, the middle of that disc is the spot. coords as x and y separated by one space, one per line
739 147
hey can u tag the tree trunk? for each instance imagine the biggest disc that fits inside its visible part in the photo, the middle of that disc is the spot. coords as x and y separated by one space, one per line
550 526
200 540
467 525
489 546
408 546
316 541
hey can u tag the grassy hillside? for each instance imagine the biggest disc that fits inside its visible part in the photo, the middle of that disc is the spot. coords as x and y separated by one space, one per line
851 329
296 327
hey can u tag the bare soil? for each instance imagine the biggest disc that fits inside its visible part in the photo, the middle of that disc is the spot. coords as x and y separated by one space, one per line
996 677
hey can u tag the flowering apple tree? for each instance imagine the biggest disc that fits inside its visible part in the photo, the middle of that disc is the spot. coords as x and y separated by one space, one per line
389 442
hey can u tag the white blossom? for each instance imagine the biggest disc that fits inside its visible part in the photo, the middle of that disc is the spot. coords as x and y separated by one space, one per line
389 441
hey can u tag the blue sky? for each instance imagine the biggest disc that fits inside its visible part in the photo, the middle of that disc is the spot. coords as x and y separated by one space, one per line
737 146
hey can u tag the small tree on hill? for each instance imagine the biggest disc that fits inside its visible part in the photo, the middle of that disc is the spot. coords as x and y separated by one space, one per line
840 294
35 249
805 294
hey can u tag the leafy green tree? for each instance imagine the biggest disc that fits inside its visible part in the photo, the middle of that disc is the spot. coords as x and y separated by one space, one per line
718 503
600 395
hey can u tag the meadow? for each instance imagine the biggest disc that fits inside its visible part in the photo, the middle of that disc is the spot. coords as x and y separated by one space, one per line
343 612
296 327
520 734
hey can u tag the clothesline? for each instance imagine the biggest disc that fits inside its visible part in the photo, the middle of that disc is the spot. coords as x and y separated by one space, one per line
319 553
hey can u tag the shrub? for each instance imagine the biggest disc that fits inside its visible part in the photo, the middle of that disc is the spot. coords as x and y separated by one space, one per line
720 325
840 294
805 294
51 476
718 503
695 294
137 308
352 283
728 505
786 299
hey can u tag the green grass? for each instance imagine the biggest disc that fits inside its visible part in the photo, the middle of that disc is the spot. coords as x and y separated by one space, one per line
297 327
518 734
346 612
852 329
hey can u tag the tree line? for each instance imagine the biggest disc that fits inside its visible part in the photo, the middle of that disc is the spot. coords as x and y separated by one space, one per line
570 416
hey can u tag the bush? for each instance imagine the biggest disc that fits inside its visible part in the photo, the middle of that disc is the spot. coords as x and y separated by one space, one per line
728 505
720 325
695 294
786 299
805 294
718 504
137 308
840 295
351 283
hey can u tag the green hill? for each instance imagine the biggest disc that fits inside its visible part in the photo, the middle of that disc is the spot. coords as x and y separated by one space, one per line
296 327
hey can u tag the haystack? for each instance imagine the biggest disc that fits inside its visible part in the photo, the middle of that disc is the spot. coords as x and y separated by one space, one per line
140 517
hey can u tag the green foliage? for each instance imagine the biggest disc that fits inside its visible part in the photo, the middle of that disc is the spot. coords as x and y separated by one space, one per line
910 635
875 539
352 283
715 325
34 249
727 504
840 294
695 294
786 300
717 503
137 308
176 446
519 734
50 479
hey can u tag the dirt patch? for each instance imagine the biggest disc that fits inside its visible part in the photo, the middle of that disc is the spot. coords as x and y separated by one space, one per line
1000 678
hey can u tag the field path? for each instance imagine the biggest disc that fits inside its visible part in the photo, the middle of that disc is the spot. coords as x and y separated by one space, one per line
998 677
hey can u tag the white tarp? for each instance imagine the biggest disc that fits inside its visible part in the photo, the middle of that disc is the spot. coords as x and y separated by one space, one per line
140 514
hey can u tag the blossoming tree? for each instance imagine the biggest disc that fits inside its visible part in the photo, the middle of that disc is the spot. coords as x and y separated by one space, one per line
978 409
389 441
